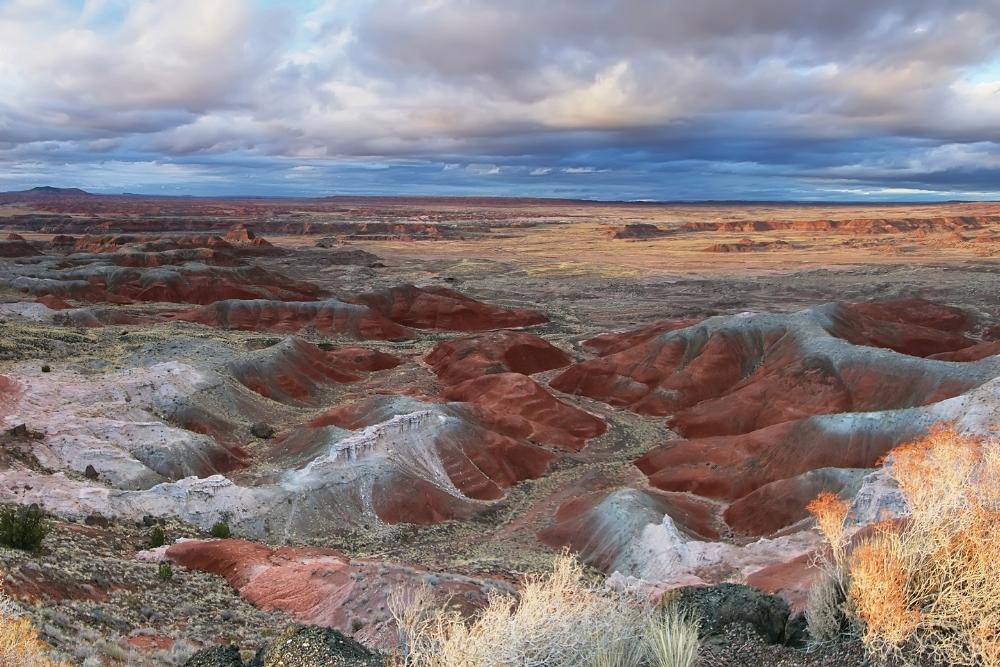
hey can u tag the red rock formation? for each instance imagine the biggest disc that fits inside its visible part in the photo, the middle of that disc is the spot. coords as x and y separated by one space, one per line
735 375
469 357
609 343
414 462
730 467
769 508
293 372
320 586
15 245
53 302
442 308
972 353
189 283
362 359
330 317
599 526
242 234
517 406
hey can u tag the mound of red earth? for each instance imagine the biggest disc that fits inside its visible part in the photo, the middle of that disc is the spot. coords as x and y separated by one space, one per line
508 403
321 586
469 357
639 231
295 371
599 525
776 408
329 317
746 245
441 308
735 374
609 343
15 245
516 405
412 462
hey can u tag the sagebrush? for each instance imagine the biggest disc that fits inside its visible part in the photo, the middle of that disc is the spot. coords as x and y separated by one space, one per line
558 619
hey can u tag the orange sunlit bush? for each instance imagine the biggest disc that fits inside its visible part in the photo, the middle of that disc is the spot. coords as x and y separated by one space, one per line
19 642
930 585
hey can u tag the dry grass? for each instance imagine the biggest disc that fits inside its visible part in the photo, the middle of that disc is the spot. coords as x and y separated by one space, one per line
828 612
19 642
557 620
930 586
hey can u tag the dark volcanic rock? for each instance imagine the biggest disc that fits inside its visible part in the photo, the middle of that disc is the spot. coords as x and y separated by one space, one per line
262 430
216 656
723 605
315 647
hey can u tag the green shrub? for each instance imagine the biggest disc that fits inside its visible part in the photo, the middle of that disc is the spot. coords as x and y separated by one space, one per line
23 527
221 530
156 537
165 572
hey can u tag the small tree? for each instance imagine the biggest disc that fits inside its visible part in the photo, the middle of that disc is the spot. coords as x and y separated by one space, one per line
165 572
23 527
221 530
156 537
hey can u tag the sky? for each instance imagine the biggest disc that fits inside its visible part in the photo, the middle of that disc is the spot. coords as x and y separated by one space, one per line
595 99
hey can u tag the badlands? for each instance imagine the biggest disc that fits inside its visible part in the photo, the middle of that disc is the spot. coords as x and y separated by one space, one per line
375 393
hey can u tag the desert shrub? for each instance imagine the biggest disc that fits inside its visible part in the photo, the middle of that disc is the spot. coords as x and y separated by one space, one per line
557 620
23 527
165 572
221 530
19 642
929 587
156 537
828 612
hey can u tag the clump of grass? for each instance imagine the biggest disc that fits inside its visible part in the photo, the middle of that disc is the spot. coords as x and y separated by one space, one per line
221 530
558 619
828 613
672 638
23 527
929 587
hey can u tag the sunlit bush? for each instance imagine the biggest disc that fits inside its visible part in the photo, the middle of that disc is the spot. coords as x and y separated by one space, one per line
929 586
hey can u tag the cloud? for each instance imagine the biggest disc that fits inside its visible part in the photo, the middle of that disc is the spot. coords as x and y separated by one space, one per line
733 98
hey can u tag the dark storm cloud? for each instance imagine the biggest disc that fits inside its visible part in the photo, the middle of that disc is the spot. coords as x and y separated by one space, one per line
610 99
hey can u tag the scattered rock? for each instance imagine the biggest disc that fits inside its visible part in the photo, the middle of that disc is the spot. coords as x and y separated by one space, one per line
262 430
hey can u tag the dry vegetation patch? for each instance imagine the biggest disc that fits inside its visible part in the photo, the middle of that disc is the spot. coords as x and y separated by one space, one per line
928 587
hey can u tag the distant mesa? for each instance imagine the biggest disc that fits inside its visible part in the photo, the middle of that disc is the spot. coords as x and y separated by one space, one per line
638 231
